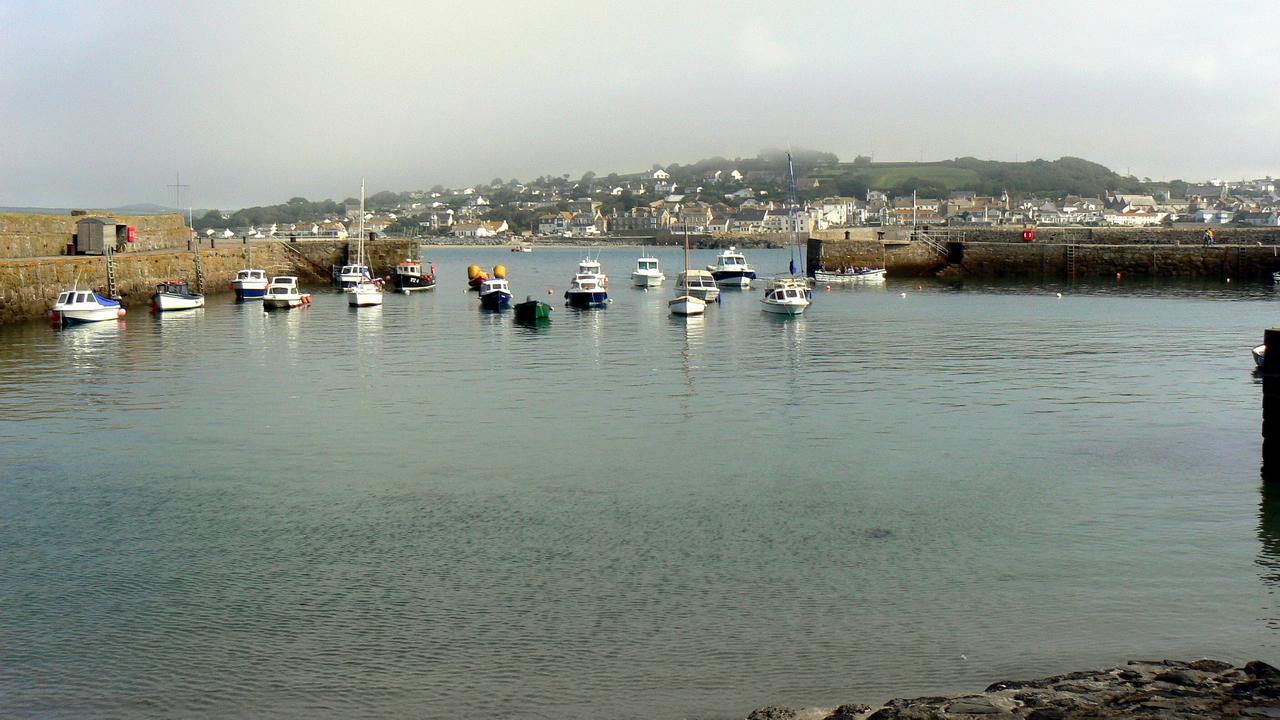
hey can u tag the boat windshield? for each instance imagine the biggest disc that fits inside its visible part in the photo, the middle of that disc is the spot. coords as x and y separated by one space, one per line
62 297
82 297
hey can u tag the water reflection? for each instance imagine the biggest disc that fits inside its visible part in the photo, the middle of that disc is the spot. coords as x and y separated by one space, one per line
88 345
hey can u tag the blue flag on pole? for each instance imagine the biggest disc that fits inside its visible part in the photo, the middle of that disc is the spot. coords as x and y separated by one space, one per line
793 266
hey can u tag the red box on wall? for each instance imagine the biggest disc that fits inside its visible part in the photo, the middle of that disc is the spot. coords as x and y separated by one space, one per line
133 234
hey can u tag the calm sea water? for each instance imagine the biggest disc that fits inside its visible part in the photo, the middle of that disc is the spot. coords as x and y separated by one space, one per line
424 510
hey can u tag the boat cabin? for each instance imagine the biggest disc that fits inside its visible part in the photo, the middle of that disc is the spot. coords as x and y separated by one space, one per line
251 275
174 287
589 267
730 259
646 264
787 292
409 268
71 297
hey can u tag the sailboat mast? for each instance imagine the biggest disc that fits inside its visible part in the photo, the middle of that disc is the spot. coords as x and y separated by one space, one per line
791 214
360 245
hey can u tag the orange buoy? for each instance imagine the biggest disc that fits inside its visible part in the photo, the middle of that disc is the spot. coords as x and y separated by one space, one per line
500 271
472 271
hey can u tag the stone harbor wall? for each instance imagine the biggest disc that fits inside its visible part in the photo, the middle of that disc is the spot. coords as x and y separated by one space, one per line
29 287
1159 689
25 235
1248 261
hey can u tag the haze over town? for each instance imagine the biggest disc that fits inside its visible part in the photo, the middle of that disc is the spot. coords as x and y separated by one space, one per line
256 102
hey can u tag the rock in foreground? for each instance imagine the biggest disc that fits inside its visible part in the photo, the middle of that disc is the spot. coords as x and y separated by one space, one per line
1164 689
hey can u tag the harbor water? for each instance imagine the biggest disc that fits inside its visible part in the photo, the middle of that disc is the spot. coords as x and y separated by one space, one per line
425 510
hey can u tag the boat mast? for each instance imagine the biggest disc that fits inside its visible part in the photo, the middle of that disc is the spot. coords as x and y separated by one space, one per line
791 214
360 245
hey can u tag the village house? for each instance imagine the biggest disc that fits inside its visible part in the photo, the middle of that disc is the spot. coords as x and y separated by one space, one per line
640 218
554 223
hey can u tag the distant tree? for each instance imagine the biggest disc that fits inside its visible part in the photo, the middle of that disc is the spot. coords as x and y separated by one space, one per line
496 182
862 161
587 177
384 199
297 201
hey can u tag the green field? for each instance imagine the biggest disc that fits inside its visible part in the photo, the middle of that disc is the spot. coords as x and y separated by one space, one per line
885 176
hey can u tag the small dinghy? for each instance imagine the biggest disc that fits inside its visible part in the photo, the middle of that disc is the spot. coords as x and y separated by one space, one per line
532 311
175 295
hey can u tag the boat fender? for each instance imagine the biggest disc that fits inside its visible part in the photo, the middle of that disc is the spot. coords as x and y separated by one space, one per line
54 316
550 291
120 313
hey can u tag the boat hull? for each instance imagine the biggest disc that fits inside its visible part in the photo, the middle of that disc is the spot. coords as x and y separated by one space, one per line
586 298
647 280
495 300
687 305
870 276
1260 357
410 283
778 308
733 278
249 292
532 311
173 301
276 302
89 315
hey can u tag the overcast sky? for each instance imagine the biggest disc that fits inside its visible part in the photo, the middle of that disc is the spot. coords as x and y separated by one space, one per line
257 101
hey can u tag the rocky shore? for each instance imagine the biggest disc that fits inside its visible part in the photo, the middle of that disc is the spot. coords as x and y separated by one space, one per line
1163 689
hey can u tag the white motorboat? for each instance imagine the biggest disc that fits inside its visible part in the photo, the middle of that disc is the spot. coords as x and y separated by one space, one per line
349 275
647 273
786 296
589 287
849 276
283 292
250 284
176 295
365 291
84 306
699 284
1260 356
731 269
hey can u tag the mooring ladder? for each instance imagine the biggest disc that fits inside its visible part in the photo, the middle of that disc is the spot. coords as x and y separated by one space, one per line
110 255
199 272
1243 259
1071 258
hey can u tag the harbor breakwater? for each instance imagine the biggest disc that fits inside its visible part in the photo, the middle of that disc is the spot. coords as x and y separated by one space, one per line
1241 253
28 287
1141 689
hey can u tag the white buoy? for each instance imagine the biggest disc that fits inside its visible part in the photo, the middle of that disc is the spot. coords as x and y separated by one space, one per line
904 294
1059 294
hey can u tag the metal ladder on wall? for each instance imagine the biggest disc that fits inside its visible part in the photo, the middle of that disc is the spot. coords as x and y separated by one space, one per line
199 272
1242 260
1071 258
110 254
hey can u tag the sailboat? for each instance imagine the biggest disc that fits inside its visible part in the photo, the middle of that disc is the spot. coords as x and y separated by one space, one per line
364 291
686 304
789 295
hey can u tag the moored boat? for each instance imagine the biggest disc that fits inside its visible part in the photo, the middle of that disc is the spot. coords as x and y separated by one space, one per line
84 306
522 248
283 292
532 310
365 291
475 276
786 296
408 277
849 275
699 284
589 286
250 284
647 273
176 295
349 275
731 269
495 293
1260 356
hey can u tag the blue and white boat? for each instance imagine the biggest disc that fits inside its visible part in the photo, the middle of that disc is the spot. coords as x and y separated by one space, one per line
84 306
731 269
589 286
250 284
351 275
495 293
